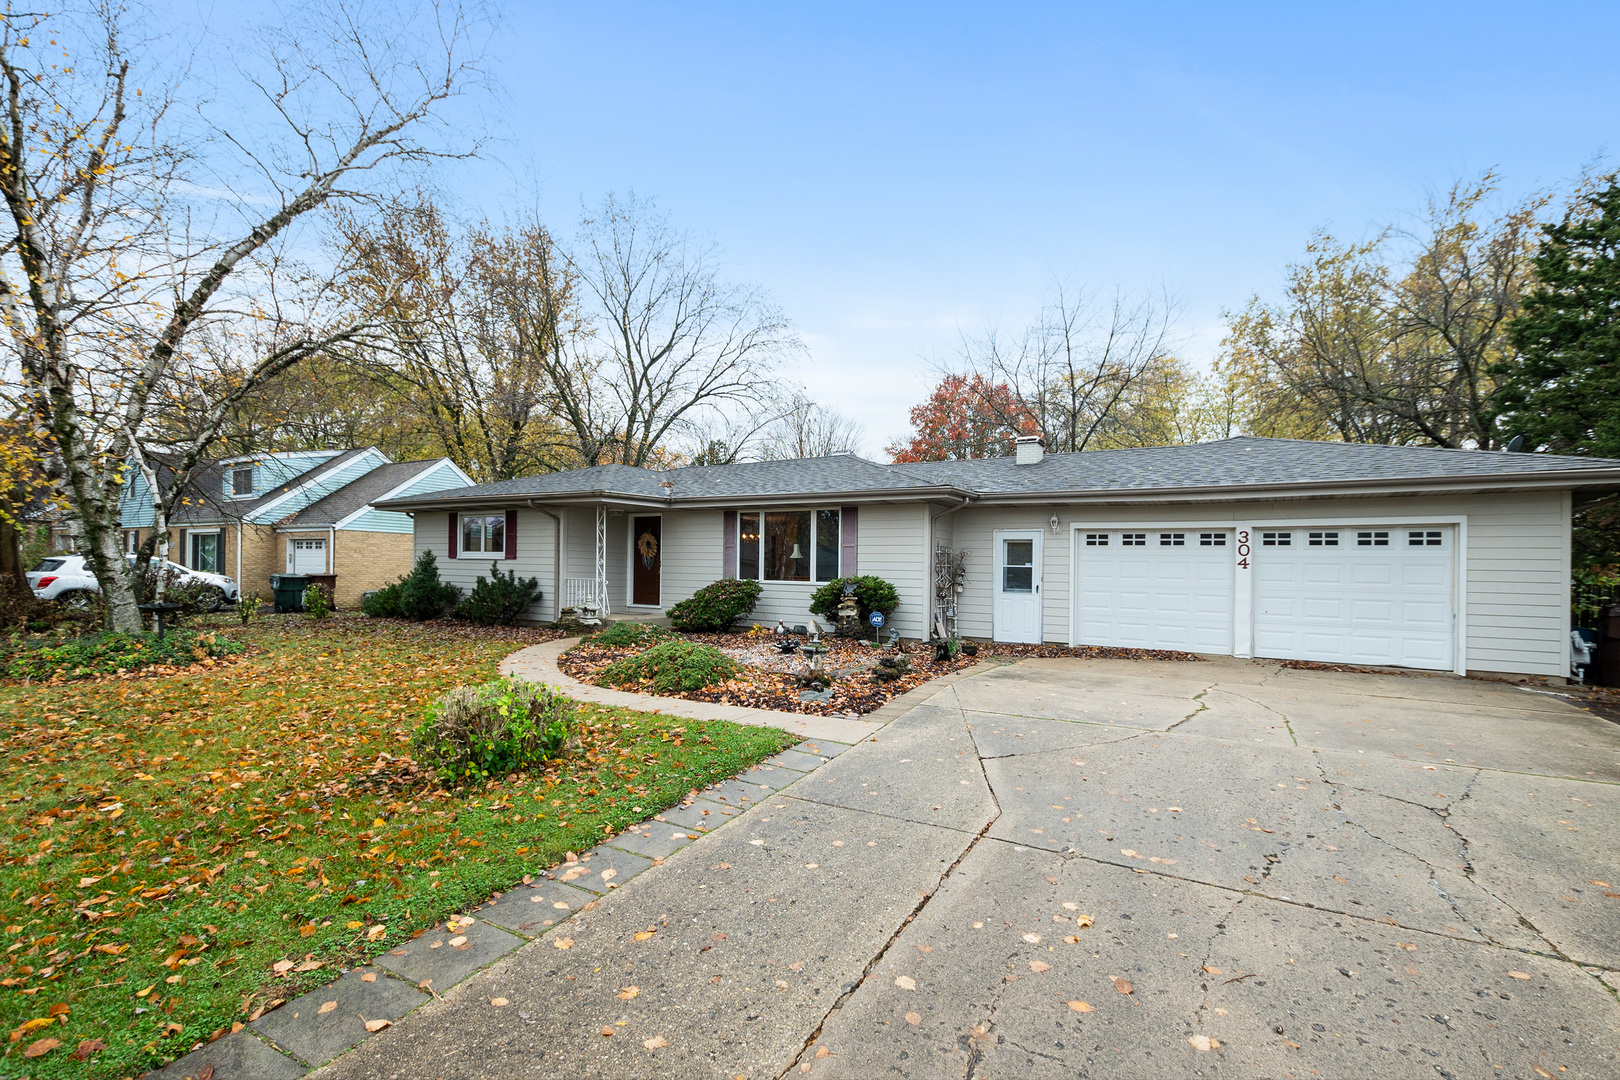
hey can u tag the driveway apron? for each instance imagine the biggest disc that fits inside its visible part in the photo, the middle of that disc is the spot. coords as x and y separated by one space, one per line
1100 868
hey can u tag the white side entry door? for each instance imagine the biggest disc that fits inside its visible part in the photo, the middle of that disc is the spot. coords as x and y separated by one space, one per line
1017 589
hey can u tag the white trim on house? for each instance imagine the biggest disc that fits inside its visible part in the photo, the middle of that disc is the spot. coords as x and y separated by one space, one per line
1243 577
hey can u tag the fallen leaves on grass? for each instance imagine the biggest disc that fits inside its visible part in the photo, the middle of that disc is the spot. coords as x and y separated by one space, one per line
41 1048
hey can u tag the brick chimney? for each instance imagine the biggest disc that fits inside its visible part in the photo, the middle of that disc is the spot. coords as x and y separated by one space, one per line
1030 449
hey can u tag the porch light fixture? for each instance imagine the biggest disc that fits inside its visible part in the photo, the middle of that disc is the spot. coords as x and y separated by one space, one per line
1054 522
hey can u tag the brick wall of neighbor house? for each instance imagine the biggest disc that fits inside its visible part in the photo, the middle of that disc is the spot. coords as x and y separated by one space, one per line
261 556
369 560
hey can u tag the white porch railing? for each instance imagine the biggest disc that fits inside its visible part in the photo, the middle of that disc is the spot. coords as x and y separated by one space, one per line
580 592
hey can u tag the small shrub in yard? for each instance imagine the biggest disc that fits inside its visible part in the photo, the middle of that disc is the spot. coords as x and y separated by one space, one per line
627 635
247 607
476 733
110 653
419 595
498 599
871 593
673 666
317 601
715 607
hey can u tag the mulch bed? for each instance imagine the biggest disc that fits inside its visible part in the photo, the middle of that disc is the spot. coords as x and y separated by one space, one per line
767 680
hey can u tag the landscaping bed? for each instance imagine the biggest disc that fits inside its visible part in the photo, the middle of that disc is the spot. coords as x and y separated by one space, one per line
768 679
183 852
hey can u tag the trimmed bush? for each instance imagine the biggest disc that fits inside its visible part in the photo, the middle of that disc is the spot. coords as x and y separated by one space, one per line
871 593
478 733
629 635
715 607
674 666
110 653
419 595
498 599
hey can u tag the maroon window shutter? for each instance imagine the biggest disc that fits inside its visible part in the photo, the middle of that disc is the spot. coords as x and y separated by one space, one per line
849 534
728 544
455 526
511 534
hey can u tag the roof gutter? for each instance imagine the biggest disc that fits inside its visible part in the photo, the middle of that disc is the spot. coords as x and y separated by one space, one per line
908 494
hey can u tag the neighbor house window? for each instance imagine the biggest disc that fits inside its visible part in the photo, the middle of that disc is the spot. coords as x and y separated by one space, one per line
788 545
242 481
205 551
483 534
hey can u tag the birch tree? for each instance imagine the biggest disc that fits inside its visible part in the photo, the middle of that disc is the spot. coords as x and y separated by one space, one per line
139 223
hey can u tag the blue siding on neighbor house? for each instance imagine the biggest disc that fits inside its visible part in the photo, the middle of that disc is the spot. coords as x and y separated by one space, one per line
135 502
329 482
440 478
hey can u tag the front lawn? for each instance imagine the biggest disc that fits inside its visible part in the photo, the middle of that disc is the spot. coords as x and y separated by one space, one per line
169 841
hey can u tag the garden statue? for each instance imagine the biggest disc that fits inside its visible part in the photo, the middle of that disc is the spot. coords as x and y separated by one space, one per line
849 615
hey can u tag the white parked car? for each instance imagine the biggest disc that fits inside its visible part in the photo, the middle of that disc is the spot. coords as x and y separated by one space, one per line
68 579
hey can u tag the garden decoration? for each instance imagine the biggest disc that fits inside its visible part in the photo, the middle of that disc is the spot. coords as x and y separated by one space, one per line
849 613
157 611
950 581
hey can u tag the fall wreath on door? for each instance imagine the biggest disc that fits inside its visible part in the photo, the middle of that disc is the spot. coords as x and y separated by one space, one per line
647 544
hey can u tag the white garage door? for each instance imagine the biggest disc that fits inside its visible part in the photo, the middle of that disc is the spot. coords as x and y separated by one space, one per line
1155 590
1370 595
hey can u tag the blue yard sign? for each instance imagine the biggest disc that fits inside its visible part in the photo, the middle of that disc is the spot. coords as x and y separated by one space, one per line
877 618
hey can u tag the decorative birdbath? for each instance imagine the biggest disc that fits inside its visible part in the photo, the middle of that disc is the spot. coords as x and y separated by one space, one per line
157 611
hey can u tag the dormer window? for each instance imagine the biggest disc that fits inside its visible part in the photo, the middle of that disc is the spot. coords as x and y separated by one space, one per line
242 481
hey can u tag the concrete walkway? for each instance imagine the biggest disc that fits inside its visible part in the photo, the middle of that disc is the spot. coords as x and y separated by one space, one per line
538 663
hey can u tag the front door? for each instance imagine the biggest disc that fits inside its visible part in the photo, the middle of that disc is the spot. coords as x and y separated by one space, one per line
1018 587
646 560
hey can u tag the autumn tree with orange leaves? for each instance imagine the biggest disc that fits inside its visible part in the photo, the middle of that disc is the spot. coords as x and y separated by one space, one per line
964 417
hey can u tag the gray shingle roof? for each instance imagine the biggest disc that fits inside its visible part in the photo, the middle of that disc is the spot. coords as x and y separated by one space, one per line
1244 461
1237 463
359 493
206 500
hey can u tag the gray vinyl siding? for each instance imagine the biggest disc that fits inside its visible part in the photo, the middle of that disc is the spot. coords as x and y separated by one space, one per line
1517 571
691 555
536 556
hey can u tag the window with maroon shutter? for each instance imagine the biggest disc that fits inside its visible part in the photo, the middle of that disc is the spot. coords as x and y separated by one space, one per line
511 534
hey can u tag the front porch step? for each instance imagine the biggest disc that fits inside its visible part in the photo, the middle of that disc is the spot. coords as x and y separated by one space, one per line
650 620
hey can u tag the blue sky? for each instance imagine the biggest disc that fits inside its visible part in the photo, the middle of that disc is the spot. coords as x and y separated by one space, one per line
897 174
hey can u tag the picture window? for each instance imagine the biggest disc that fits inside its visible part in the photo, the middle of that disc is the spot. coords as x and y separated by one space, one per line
788 545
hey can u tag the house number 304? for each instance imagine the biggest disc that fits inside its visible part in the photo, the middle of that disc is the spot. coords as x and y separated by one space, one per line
1243 548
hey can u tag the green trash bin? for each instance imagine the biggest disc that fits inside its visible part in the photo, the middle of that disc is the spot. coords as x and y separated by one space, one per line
288 590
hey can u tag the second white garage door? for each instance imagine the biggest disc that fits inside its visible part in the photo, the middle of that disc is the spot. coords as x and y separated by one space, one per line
1374 595
1155 590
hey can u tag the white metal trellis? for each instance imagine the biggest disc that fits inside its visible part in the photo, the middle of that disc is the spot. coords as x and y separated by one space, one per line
950 571
603 607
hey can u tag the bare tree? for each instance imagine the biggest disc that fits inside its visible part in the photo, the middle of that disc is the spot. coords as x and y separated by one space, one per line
1084 371
1393 340
808 429
672 345
476 323
131 236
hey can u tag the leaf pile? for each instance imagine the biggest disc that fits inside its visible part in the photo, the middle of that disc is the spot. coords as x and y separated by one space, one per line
181 853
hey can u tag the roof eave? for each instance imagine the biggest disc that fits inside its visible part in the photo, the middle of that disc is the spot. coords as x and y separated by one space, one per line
677 502
1561 480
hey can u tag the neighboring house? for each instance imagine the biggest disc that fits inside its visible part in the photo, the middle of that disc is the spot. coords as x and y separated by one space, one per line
1455 560
306 512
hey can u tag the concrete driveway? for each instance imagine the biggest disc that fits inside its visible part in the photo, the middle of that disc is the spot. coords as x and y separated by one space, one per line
1094 868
